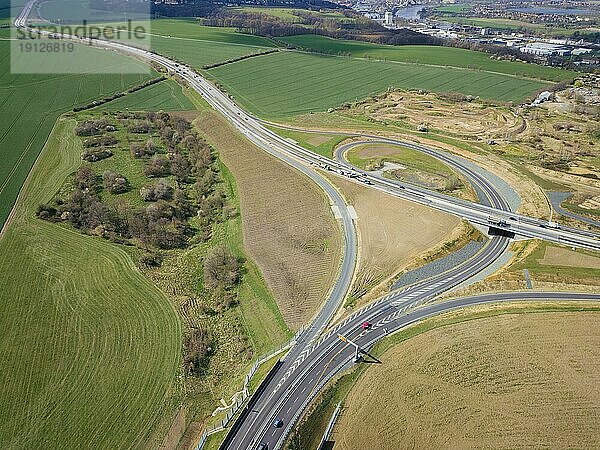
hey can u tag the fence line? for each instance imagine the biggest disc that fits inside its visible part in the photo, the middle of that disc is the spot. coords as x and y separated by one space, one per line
239 402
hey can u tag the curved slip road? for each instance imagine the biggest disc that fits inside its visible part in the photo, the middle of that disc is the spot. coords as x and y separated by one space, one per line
556 200
330 355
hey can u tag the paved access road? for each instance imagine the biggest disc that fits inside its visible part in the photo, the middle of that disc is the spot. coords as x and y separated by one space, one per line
556 200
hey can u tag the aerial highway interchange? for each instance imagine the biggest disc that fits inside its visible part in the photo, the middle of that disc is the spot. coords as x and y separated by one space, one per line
318 354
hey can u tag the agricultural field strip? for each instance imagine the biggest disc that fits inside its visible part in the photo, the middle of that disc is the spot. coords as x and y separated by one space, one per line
49 243
444 353
415 63
318 79
424 54
184 38
324 365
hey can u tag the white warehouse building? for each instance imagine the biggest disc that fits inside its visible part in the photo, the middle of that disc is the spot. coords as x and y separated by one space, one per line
543 49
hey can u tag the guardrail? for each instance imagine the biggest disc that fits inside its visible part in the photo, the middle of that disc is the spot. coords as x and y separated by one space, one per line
237 405
330 426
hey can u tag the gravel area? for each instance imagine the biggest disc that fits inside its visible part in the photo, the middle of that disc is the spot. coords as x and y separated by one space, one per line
439 265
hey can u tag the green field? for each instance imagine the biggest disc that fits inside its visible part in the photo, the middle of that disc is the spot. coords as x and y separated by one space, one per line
189 28
290 83
30 104
199 53
453 9
90 349
197 45
166 95
290 14
323 144
429 55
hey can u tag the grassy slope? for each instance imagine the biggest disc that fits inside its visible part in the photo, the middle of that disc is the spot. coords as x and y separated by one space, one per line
563 273
409 157
30 104
428 55
166 95
298 258
89 345
289 83
322 144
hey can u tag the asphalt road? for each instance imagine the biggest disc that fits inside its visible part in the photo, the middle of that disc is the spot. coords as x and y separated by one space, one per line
330 355
556 199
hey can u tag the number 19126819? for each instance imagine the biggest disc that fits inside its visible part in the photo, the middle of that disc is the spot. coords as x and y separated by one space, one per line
46 47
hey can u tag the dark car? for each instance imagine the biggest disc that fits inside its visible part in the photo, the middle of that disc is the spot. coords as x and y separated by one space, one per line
278 423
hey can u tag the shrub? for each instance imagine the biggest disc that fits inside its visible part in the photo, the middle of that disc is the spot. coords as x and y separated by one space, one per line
86 179
221 269
181 125
96 154
114 182
141 151
151 259
92 127
139 127
46 212
180 167
197 350
158 191
158 167
100 141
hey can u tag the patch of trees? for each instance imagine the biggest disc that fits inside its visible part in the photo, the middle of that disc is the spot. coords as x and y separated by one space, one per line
114 182
93 127
140 127
159 166
240 58
191 189
353 26
456 97
158 191
145 150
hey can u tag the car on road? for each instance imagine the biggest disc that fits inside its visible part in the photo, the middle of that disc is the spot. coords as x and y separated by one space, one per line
366 325
262 446
278 423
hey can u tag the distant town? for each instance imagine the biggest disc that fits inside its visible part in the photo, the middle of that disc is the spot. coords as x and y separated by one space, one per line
551 32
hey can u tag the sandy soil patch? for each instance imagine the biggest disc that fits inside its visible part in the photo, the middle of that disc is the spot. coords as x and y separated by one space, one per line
377 151
319 139
591 203
392 233
289 230
472 118
557 256
512 381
